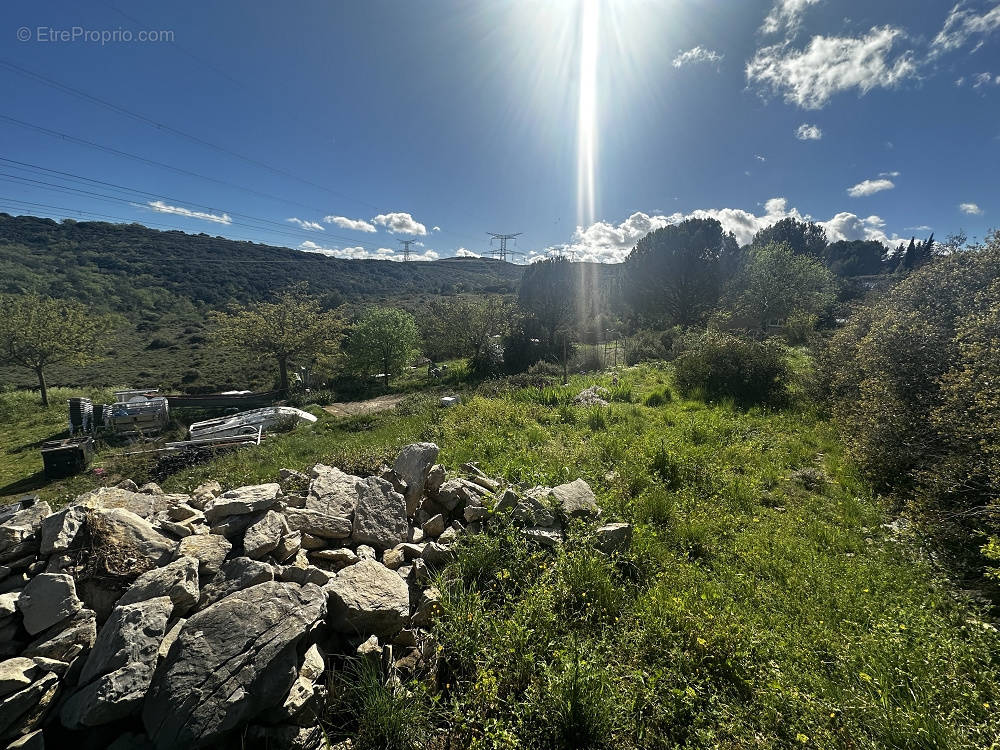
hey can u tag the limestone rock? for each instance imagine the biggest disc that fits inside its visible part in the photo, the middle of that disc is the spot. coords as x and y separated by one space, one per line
243 500
49 598
234 575
614 537
31 741
332 491
427 609
129 536
435 478
178 580
318 524
576 499
545 537
434 526
59 530
288 545
368 598
264 536
335 558
24 525
118 670
231 661
209 549
16 674
380 518
24 711
66 640
412 465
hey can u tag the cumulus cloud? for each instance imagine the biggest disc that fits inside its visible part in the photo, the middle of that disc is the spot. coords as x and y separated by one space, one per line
697 55
312 226
829 65
400 223
605 242
463 253
358 225
785 15
870 187
963 24
361 253
165 208
972 209
808 132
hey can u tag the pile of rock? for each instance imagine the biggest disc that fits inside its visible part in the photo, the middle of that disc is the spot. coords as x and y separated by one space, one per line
138 619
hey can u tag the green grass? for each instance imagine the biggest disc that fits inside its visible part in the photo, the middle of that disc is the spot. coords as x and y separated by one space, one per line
762 603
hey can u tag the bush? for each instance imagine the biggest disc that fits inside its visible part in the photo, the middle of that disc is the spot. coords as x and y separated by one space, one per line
722 365
487 362
914 380
659 398
800 327
647 346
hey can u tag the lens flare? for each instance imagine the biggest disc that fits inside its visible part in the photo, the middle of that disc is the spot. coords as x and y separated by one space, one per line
586 128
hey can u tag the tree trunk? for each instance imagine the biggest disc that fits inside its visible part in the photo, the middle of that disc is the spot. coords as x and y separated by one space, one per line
42 387
283 375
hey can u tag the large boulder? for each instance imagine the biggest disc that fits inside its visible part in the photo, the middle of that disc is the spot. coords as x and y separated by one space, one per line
126 541
367 598
59 531
118 670
234 575
24 526
332 491
16 674
412 465
66 640
380 518
144 505
231 661
243 500
576 499
49 598
614 537
178 580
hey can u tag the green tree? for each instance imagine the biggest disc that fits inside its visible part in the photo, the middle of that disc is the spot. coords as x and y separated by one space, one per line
292 328
37 332
673 274
803 237
776 282
463 326
385 340
855 257
551 295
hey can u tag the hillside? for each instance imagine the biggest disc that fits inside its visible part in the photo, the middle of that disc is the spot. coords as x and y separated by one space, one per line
163 284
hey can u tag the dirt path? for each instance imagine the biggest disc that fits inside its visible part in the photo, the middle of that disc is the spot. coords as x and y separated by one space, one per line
372 405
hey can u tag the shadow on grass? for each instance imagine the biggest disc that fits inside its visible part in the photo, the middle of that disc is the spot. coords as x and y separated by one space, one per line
39 443
28 484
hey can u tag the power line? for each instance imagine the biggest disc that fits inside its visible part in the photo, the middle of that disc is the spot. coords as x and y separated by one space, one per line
406 248
501 253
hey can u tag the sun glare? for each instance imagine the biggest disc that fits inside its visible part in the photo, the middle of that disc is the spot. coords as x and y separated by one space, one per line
586 128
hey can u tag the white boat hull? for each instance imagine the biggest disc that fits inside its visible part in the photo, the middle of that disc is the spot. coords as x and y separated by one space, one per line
247 422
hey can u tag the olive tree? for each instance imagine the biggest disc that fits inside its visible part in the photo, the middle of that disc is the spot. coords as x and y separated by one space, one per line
292 327
384 339
37 332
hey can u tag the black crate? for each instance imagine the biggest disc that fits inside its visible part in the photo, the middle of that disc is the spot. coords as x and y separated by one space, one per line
63 458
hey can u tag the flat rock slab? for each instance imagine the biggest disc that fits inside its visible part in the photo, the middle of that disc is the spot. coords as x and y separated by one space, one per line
209 550
380 518
145 505
367 598
243 500
230 662
66 640
264 535
49 598
117 672
317 523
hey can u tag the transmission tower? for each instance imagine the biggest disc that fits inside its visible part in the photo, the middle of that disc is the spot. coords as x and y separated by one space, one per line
406 248
501 253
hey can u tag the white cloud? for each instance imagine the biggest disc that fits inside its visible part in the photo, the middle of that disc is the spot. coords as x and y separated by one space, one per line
808 132
961 25
358 225
972 209
312 226
463 253
401 223
786 14
986 79
165 208
830 65
919 228
435 229
758 157
697 55
604 242
870 187
888 174
361 253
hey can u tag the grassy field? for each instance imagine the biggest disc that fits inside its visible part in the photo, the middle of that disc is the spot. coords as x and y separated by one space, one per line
765 601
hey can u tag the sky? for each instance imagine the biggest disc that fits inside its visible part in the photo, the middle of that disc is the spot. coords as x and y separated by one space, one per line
345 127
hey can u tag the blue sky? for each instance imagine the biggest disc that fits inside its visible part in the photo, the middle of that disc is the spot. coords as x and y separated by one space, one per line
343 127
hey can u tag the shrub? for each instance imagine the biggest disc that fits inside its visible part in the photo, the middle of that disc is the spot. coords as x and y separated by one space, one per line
914 381
659 398
647 346
721 365
488 361
800 327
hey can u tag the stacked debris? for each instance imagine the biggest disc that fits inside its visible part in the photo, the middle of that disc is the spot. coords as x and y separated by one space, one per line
138 619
